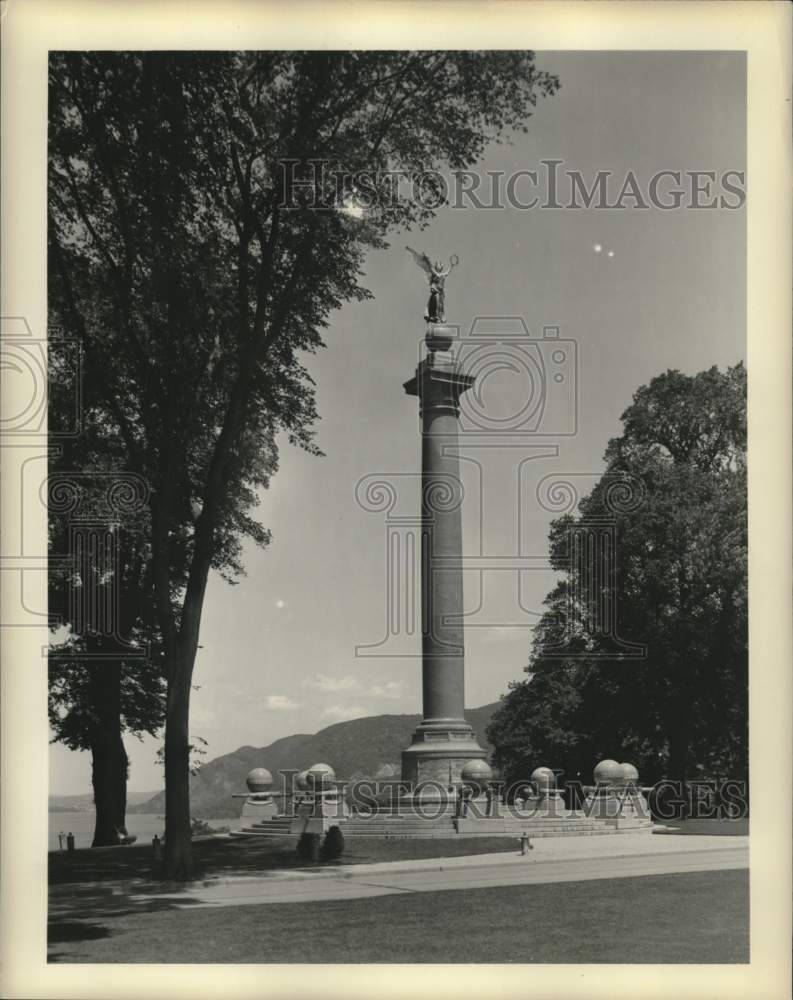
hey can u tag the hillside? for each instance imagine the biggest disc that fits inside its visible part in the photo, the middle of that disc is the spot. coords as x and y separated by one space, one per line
85 802
355 749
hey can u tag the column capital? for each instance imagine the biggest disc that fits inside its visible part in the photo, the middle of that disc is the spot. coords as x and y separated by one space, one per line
439 383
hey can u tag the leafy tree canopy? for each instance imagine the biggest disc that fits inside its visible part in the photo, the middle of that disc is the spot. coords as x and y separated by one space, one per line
675 493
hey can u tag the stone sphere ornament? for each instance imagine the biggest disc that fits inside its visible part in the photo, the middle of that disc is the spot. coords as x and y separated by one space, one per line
476 772
259 780
320 776
543 778
439 338
608 772
630 775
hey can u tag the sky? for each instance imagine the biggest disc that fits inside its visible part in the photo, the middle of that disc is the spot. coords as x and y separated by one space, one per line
632 292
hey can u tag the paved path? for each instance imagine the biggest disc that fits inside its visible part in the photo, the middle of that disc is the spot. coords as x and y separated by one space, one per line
552 860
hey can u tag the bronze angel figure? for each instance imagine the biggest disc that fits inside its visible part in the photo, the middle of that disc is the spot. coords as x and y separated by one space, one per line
436 306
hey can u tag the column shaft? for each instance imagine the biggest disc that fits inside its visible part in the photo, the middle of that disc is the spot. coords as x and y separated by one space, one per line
444 741
443 667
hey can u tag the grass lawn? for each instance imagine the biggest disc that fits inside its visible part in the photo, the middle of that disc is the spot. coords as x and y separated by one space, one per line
692 917
224 857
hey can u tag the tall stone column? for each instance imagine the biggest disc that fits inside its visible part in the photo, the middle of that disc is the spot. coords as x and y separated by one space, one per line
444 741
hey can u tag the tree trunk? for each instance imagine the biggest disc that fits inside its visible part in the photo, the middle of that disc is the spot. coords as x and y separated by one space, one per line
178 854
109 761
181 646
109 764
679 746
678 755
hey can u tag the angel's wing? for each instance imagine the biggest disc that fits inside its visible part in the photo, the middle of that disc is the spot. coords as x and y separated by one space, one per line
422 260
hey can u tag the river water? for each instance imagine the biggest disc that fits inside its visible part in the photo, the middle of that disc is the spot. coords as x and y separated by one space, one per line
143 825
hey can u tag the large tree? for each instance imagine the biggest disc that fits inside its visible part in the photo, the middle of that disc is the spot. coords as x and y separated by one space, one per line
198 247
105 668
106 674
92 703
674 490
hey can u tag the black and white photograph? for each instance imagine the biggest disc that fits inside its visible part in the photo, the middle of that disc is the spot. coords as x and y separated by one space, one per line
385 414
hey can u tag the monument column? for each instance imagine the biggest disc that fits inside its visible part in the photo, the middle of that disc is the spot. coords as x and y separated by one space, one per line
444 742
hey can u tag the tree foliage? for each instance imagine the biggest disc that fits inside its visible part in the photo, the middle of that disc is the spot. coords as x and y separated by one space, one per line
105 658
678 474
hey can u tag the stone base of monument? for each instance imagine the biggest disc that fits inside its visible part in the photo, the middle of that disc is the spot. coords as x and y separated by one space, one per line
427 800
435 810
431 802
611 803
258 807
634 805
415 826
438 752
546 804
318 812
311 824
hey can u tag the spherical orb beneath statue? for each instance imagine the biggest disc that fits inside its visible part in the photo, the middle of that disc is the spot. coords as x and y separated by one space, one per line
439 337
630 775
301 780
608 772
543 778
320 776
476 772
259 780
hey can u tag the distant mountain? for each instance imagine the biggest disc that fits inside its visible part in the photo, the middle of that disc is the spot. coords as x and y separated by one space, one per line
85 803
356 749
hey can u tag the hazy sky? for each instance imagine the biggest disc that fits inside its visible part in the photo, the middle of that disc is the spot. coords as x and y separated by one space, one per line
278 650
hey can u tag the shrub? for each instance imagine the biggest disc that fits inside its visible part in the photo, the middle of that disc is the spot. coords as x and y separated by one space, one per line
308 846
333 846
200 828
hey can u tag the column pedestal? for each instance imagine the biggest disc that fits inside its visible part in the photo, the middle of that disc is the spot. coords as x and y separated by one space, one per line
438 752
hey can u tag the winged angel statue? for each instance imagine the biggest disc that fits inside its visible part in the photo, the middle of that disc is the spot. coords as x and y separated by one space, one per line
436 306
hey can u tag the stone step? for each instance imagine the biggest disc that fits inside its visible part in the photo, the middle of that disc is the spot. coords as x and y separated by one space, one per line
449 834
447 819
411 822
468 830
411 830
